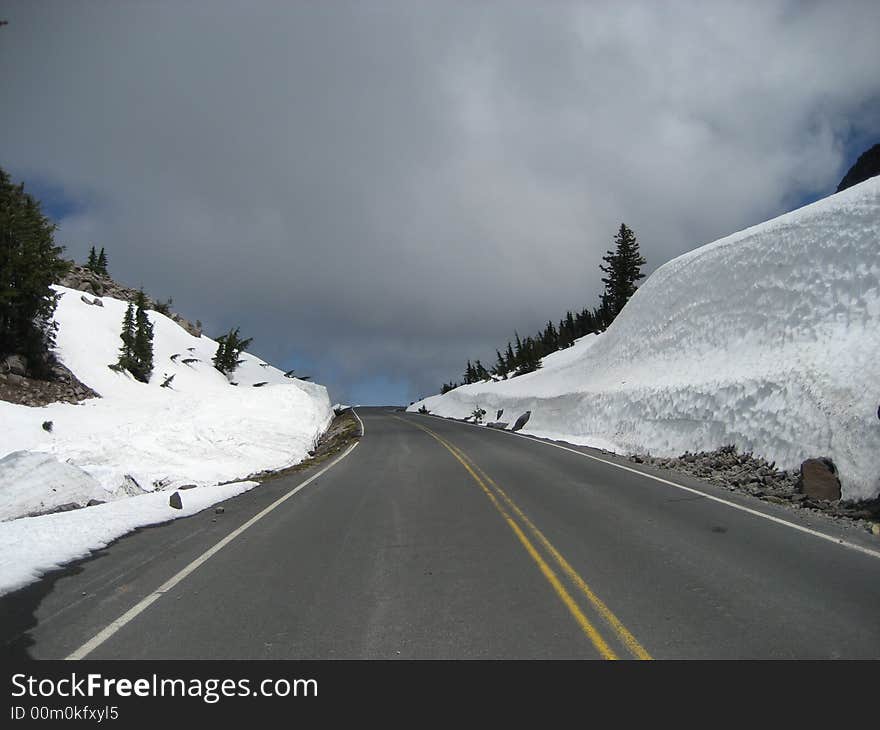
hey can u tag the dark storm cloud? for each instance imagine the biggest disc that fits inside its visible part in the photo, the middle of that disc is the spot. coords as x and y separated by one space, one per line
377 191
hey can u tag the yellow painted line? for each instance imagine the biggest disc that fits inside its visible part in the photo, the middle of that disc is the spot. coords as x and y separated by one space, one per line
623 634
586 626
630 641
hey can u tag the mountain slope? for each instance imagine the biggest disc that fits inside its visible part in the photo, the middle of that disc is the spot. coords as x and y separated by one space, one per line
200 430
768 339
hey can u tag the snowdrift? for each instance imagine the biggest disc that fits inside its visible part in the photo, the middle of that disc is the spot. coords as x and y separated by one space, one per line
139 439
768 339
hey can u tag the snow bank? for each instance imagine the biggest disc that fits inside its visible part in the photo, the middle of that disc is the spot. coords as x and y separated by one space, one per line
32 546
141 437
768 339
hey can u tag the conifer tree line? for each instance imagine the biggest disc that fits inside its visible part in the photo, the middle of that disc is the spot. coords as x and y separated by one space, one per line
30 263
136 353
622 268
97 262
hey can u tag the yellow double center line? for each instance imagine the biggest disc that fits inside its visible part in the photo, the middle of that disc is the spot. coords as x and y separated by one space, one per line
507 508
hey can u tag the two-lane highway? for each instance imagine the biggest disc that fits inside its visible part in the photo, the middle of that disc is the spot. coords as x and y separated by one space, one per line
435 539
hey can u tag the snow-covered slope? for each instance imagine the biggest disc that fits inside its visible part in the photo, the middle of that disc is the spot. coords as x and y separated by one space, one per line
768 339
200 430
138 438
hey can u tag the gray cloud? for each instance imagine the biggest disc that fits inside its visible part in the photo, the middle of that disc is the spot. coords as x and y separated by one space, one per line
386 189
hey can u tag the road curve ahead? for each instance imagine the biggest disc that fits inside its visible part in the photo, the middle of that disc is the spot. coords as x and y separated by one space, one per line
436 539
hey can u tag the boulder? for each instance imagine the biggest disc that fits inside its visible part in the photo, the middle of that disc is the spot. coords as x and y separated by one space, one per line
521 421
818 479
500 425
175 501
95 502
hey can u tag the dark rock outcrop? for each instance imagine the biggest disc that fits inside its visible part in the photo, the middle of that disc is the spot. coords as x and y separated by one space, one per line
866 167
63 388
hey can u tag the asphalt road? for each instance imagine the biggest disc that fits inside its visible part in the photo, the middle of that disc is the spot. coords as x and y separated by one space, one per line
435 539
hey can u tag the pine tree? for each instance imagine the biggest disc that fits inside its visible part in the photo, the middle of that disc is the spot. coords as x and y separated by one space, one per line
509 358
126 352
30 263
229 347
143 342
480 372
623 270
550 338
530 357
136 353
470 375
500 369
92 263
101 263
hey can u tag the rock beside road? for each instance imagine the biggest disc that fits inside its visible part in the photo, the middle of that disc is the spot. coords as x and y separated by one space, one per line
818 479
815 486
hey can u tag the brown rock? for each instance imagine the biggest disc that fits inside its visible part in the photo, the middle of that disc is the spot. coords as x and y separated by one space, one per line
818 479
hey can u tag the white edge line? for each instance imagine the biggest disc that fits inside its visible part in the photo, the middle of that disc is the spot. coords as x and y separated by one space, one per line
363 430
749 510
145 603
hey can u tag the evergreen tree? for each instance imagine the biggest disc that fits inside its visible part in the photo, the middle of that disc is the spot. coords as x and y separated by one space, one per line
30 263
550 339
480 372
623 269
101 263
530 357
92 263
518 356
509 359
229 347
500 368
126 352
143 341
470 375
136 353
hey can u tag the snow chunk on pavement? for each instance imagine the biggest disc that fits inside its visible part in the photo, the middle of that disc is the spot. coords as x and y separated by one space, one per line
32 482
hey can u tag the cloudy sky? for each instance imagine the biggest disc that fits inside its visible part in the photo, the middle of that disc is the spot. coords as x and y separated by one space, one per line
376 191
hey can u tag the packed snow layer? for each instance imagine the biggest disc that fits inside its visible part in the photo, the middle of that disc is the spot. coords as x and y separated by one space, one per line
768 339
32 546
138 438
31 483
